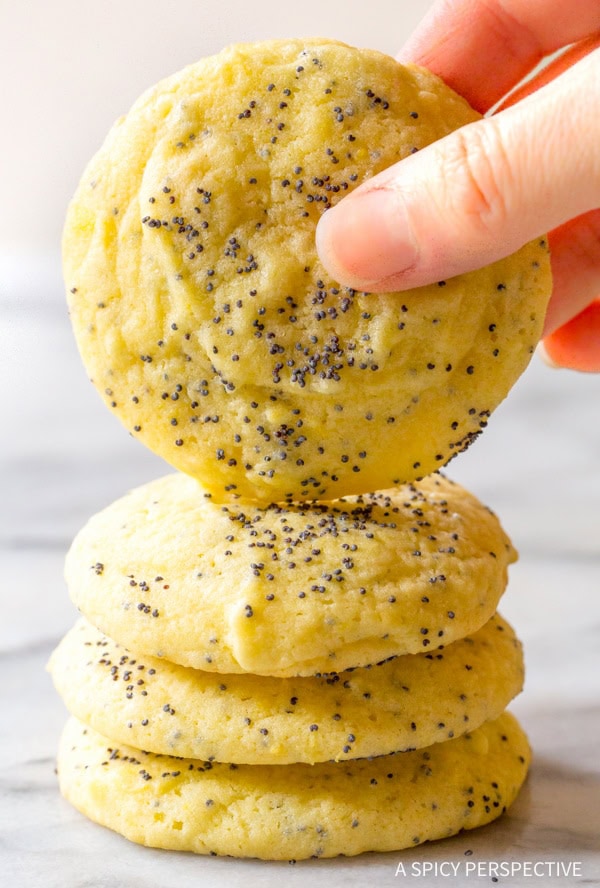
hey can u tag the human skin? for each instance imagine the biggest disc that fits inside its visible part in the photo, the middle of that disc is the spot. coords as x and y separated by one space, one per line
483 191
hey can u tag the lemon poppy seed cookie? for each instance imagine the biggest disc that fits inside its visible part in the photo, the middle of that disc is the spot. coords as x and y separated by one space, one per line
295 811
406 703
205 318
289 590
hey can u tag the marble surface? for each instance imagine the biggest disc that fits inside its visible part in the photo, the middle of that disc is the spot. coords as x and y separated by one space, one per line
63 457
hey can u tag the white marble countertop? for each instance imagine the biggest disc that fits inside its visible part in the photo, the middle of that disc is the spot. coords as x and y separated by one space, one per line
63 457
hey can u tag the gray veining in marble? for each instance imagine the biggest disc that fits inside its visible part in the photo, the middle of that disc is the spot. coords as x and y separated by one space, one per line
64 456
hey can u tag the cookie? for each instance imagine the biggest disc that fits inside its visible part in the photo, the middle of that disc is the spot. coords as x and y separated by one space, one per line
289 590
406 703
295 811
205 318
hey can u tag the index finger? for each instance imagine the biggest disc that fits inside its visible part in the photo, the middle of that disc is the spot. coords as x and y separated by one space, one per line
483 48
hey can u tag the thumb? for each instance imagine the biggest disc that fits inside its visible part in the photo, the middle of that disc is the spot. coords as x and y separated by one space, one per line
475 196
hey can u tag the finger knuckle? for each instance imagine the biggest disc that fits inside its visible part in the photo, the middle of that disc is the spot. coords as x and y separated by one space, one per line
478 176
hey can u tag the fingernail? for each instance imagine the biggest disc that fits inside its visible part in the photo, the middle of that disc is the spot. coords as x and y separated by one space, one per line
542 353
367 238
576 344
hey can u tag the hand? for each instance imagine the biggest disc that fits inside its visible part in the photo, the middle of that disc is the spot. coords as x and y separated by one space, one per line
486 189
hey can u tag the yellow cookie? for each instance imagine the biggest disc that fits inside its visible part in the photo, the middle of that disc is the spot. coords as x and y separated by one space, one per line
289 590
295 811
406 703
205 318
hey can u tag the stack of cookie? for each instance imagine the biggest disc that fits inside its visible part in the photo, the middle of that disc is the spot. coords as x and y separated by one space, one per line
311 669
242 638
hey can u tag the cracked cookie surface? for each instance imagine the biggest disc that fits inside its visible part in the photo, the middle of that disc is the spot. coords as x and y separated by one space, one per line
282 812
289 590
202 312
406 703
